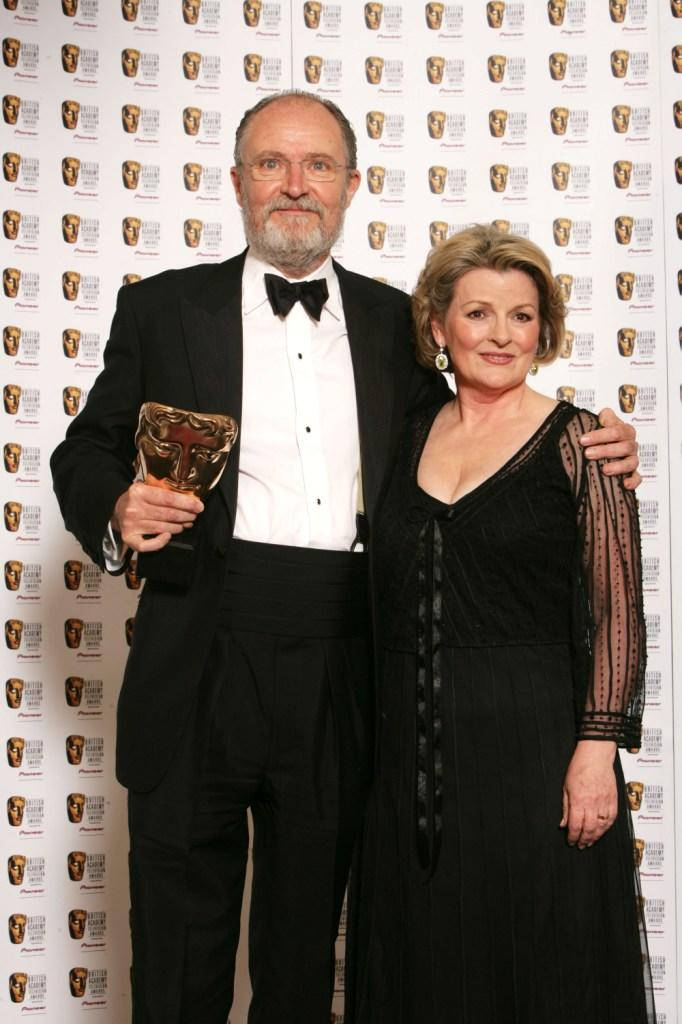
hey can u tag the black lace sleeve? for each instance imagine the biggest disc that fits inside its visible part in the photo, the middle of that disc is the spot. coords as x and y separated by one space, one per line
609 611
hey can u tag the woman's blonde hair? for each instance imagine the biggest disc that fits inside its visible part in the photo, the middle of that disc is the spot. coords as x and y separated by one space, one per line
484 245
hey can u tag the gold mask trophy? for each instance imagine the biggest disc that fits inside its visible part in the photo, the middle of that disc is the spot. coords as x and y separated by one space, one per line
181 450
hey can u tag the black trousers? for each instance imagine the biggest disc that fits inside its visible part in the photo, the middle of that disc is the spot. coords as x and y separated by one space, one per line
282 726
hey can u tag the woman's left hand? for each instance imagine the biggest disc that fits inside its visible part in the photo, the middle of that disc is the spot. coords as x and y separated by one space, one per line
590 797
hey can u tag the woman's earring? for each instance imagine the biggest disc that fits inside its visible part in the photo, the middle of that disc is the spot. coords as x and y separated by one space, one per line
533 368
442 362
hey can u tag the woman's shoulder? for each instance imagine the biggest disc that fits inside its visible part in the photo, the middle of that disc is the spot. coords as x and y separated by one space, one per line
576 421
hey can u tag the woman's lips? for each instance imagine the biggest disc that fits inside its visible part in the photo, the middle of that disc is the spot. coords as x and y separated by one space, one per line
496 358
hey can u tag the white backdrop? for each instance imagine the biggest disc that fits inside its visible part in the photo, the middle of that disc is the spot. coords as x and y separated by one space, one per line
118 124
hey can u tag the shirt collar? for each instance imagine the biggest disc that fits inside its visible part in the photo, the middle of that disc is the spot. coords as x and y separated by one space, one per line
253 285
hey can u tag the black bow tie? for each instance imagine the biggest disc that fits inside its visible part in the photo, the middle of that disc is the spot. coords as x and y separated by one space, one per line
283 294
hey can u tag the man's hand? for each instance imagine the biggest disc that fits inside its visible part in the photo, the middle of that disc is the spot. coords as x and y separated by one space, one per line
616 441
146 517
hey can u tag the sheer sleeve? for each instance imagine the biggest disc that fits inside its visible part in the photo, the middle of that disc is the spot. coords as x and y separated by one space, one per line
610 630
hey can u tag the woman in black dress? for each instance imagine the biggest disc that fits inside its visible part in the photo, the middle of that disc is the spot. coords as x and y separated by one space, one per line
497 882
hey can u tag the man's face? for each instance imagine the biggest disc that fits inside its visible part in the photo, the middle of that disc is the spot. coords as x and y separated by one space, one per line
557 66
625 283
497 63
130 172
70 55
11 277
75 863
14 691
627 397
10 166
626 341
10 108
71 166
11 396
311 13
191 120
77 920
73 690
75 805
11 336
130 117
252 66
73 630
435 122
70 112
622 169
131 230
71 223
74 749
192 229
434 69
374 122
623 228
15 751
437 178
129 9
495 13
560 175
497 123
558 119
294 222
12 513
10 51
498 177
373 14
17 928
16 866
620 118
11 219
561 229
191 63
11 454
191 176
73 570
190 11
130 62
71 281
555 11
15 810
13 570
71 339
619 63
251 10
375 179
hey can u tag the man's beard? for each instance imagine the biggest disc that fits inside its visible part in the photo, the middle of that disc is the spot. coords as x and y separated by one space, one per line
298 249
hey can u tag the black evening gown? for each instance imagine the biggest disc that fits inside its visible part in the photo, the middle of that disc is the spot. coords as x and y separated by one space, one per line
510 625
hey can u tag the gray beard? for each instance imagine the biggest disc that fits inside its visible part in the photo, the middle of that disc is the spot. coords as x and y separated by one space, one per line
294 253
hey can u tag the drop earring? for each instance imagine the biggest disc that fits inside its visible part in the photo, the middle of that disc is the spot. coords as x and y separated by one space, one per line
442 362
533 369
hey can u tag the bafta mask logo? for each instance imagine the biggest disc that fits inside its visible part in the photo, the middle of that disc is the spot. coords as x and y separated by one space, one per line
622 171
11 279
71 339
561 173
312 12
498 177
252 66
130 62
620 118
11 397
69 8
75 864
623 227
128 629
557 66
676 8
11 106
626 341
434 15
435 123
15 751
251 11
619 63
494 12
374 122
73 571
130 173
438 176
70 56
634 792
133 581
191 120
638 851
376 234
625 284
11 339
566 349
617 9
73 690
678 224
75 806
497 123
11 456
71 166
13 571
190 11
131 230
78 979
375 179
312 69
627 397
130 117
73 633
438 232
11 219
566 393
191 64
191 176
192 229
16 806
17 928
676 55
129 9
565 285
77 921
558 120
10 51
678 170
17 986
11 162
556 9
561 230
74 749
502 225
70 113
497 64
373 14
677 113
71 282
14 693
10 5
12 513
131 278
16 868
374 68
435 68
71 223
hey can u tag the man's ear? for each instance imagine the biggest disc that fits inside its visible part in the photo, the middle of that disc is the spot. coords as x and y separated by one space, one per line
236 184
352 185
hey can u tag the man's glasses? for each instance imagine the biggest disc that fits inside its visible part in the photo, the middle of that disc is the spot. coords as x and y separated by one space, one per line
277 168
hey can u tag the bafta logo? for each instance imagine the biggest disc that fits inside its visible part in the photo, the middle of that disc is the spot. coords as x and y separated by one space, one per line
192 229
676 8
75 806
190 11
130 117
15 751
502 225
676 56
73 690
373 12
14 692
498 177
11 339
494 12
374 122
11 397
312 69
128 628
497 123
252 66
13 572
620 118
73 571
73 633
11 219
556 10
17 928
70 113
376 233
638 851
557 66
10 51
435 123
634 792
566 393
191 65
438 176
619 63
561 230
78 979
626 338
130 227
16 868
17 986
77 921
71 282
625 284
11 456
130 173
11 279
69 8
438 232
70 57
561 173
71 339
74 749
617 9
558 120
11 106
71 166
565 285
374 68
375 179
435 68
71 223
191 120
251 10
622 171
133 581
566 350
677 113
12 515
623 227
312 12
627 397
434 15
15 810
11 162
191 176
75 864
130 62
129 9
131 278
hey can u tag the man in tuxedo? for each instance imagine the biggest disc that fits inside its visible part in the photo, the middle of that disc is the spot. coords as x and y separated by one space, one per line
249 677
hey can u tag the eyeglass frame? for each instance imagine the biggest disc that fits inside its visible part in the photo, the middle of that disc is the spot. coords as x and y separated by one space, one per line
288 164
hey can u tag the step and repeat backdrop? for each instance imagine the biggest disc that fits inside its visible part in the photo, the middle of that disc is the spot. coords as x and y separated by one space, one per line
559 120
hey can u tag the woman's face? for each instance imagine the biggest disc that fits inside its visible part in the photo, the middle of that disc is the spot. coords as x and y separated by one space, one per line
491 329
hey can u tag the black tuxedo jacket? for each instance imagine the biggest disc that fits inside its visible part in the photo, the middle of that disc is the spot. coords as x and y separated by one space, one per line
176 338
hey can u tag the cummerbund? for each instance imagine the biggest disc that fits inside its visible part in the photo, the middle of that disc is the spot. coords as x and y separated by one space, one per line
294 591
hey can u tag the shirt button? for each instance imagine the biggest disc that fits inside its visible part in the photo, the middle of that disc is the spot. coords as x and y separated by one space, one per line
307 430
